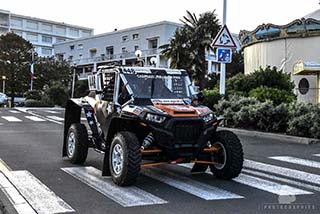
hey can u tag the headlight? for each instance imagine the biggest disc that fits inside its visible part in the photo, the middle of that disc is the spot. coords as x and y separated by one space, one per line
207 118
155 118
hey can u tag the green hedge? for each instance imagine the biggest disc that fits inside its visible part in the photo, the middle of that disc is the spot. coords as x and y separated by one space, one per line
36 103
297 119
211 97
277 96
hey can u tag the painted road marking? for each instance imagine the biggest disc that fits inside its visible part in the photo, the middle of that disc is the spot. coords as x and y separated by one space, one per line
269 186
56 118
188 185
83 118
318 155
52 112
39 196
14 111
125 196
16 199
4 167
286 172
299 161
262 184
34 118
296 183
11 119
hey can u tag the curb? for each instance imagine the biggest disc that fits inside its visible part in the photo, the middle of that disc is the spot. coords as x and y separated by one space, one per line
287 138
6 206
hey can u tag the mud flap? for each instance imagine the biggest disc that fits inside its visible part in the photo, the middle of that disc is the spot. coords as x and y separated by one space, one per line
72 115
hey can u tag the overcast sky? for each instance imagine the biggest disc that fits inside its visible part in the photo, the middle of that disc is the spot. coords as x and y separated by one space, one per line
106 15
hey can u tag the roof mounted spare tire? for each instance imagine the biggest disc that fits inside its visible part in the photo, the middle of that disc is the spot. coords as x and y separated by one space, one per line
125 158
77 143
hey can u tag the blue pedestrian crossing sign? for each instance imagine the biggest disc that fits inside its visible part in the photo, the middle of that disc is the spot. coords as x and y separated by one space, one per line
224 55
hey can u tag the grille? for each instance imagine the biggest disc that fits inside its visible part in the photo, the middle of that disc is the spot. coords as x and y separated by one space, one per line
187 131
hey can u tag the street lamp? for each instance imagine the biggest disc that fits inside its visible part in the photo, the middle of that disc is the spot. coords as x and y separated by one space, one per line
4 84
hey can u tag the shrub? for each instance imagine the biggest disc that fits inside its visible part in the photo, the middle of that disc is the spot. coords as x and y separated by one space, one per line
277 96
36 103
33 95
269 77
58 94
81 88
211 97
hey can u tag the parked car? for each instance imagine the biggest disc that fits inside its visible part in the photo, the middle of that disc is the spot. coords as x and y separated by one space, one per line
3 99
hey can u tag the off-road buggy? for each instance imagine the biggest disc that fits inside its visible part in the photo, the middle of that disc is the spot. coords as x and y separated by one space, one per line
142 117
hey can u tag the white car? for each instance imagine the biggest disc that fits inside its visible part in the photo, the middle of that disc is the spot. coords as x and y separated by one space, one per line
3 99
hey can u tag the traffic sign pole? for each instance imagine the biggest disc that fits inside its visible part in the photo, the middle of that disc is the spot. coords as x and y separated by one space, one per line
223 65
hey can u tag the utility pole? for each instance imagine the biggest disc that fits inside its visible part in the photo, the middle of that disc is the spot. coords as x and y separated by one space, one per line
223 65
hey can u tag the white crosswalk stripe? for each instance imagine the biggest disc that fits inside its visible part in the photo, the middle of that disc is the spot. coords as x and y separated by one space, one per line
11 119
286 172
30 195
188 185
299 161
318 155
14 111
34 118
127 197
56 118
51 112
262 184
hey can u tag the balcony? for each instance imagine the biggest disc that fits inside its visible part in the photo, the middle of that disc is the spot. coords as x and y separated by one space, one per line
115 57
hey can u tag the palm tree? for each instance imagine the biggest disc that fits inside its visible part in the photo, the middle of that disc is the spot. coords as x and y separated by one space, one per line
189 44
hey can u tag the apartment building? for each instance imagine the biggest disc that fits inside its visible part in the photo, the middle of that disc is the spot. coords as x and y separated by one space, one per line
40 32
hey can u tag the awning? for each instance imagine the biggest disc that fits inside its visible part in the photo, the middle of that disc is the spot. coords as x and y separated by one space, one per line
306 68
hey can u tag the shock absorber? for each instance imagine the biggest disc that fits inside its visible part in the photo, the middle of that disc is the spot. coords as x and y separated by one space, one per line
148 141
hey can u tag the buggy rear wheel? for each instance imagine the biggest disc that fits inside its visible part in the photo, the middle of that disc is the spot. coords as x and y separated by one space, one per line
77 143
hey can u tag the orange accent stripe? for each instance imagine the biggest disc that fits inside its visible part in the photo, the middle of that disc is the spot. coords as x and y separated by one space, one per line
151 151
153 164
212 149
205 162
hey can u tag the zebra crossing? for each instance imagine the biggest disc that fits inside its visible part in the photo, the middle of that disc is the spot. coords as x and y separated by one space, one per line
18 117
27 192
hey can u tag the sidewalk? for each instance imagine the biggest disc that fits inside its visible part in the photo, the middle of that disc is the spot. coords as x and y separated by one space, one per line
283 137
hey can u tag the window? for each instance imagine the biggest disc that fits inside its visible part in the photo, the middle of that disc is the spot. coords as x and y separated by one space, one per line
61 30
93 52
70 57
304 86
74 32
32 25
125 38
16 22
46 27
80 56
59 56
86 33
124 50
80 46
58 39
136 47
109 52
46 51
47 39
71 47
135 36
32 37
153 43
4 20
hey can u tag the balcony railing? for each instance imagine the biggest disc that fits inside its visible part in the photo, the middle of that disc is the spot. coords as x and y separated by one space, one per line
115 57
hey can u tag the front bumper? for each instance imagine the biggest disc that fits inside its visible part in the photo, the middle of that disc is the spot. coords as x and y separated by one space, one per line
182 137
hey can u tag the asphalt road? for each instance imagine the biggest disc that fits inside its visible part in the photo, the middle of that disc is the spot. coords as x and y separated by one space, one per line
278 177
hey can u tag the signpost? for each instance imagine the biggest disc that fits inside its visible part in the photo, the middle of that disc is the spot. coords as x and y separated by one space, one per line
224 44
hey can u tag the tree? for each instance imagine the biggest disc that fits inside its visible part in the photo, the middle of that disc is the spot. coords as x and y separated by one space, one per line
48 70
15 59
190 42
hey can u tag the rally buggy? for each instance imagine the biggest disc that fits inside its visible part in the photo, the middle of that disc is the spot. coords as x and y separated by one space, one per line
142 117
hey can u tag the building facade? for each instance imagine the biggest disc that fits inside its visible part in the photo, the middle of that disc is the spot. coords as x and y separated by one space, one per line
284 46
119 47
41 33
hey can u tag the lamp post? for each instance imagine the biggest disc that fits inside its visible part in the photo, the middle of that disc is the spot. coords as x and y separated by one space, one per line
4 84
